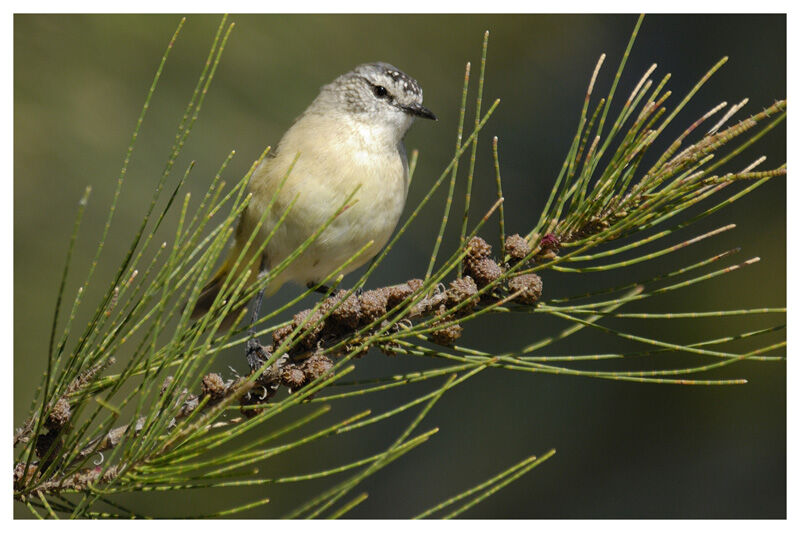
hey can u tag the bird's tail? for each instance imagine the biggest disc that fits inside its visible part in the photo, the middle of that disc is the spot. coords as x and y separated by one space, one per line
209 295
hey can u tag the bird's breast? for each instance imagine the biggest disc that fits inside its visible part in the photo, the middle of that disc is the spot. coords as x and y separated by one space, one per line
357 190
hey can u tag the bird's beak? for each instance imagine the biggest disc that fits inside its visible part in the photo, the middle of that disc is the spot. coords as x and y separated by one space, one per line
419 110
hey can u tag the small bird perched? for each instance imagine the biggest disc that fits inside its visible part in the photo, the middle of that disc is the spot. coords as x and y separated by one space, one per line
350 137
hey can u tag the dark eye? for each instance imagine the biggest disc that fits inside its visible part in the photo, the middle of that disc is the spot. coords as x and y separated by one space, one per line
380 91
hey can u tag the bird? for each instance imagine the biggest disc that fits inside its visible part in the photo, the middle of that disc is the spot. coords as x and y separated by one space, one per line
350 138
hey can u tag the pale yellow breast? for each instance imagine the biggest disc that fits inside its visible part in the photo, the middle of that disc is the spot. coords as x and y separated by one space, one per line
322 178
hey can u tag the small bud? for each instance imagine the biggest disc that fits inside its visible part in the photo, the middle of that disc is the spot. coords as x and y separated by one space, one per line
373 306
293 377
280 334
484 271
59 416
478 248
460 290
415 284
213 386
312 328
550 242
517 247
397 293
530 286
316 366
20 478
348 313
447 335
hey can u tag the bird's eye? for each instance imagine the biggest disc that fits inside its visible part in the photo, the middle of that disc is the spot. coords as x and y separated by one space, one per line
380 91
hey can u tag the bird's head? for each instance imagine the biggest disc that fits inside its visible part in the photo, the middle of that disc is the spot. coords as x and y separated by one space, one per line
378 94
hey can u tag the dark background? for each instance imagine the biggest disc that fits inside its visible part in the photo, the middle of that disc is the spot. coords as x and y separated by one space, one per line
624 449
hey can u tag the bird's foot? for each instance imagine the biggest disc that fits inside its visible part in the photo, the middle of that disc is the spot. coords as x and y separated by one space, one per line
255 353
326 290
322 289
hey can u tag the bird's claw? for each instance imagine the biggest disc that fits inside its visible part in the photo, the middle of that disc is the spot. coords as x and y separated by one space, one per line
255 353
322 289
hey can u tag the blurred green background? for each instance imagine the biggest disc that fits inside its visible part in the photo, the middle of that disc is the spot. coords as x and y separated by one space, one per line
624 450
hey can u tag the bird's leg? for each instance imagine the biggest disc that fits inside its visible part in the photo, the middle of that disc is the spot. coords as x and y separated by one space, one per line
254 350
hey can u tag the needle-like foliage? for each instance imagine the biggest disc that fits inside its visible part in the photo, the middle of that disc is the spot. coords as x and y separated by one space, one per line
128 404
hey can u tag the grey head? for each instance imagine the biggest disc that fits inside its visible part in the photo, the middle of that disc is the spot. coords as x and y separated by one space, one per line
375 93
